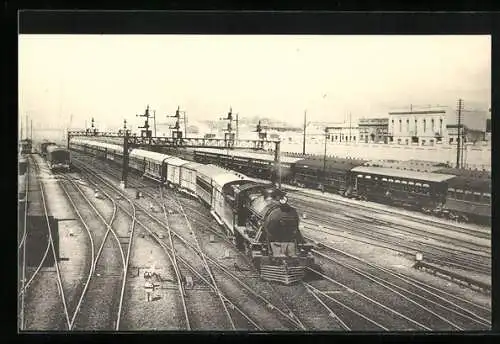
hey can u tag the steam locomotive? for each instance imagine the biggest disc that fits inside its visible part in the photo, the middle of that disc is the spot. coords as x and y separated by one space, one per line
255 215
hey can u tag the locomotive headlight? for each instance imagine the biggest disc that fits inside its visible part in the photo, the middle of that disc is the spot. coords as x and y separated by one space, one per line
283 200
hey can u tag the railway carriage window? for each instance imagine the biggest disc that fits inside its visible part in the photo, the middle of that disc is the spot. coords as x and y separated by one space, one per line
459 194
426 190
486 198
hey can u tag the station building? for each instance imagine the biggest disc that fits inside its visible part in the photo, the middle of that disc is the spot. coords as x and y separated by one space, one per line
343 133
435 125
422 127
373 130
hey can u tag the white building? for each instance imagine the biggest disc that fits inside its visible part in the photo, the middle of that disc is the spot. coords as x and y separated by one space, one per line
422 127
343 132
428 126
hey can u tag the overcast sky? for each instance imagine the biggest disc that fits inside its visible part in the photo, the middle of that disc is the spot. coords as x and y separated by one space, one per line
112 77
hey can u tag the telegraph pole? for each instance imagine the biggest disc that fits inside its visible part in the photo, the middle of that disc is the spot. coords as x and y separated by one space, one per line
26 124
237 126
459 138
123 183
324 159
349 127
304 139
277 161
154 121
31 126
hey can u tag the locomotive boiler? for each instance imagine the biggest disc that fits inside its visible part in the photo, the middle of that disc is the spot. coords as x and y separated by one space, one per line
267 228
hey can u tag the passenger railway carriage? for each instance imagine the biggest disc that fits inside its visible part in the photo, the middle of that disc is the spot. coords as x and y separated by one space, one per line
457 194
335 178
256 215
422 190
256 165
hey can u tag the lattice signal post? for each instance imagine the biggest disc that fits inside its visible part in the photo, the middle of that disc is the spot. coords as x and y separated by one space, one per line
133 141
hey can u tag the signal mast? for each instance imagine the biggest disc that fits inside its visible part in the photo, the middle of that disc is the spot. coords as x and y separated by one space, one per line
146 132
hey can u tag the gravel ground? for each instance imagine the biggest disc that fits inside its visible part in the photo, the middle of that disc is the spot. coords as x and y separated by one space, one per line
99 307
166 311
396 211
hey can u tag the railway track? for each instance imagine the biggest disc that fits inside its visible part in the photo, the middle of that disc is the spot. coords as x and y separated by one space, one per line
475 260
222 273
483 234
22 256
442 257
98 307
437 309
50 249
194 267
454 314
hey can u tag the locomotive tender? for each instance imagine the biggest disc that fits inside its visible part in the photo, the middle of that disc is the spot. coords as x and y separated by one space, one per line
256 215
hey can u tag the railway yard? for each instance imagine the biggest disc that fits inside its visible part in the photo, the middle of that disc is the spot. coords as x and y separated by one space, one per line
148 257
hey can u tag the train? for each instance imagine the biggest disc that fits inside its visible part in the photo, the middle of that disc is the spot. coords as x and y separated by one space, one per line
255 215
433 189
21 177
43 147
58 158
25 146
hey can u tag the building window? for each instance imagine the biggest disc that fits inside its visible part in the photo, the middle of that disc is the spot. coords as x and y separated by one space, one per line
432 123
441 126
407 125
431 142
406 141
451 139
416 127
393 126
399 141
361 137
423 142
354 138
425 126
336 138
400 126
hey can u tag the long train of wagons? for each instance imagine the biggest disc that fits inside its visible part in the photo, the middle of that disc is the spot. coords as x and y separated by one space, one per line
255 214
446 192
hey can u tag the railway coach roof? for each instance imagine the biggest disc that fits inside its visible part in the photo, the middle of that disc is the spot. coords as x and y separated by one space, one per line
249 155
51 149
335 164
93 143
225 178
175 161
192 165
390 172
155 156
210 170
